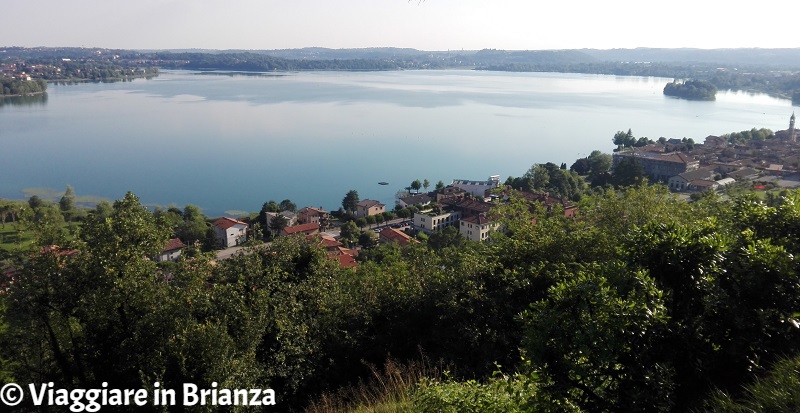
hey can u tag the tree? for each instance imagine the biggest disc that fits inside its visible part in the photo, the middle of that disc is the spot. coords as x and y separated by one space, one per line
599 167
447 237
403 213
169 218
277 224
35 202
287 205
270 206
48 225
581 166
593 342
536 178
624 139
194 226
350 201
599 162
67 203
5 211
425 184
350 232
439 186
416 185
627 172
368 239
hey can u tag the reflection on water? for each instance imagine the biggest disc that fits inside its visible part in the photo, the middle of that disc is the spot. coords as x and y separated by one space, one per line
35 100
241 74
109 80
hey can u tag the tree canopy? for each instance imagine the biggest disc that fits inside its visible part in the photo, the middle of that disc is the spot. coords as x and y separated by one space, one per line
350 201
641 302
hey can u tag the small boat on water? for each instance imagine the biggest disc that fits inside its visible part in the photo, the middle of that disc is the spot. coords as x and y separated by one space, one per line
383 183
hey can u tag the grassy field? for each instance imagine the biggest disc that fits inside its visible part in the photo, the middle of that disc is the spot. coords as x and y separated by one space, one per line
12 240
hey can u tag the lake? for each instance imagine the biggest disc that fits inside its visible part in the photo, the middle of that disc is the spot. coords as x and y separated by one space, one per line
230 142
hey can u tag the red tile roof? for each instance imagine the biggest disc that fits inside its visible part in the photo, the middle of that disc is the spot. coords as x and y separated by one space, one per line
225 223
347 261
324 240
312 209
477 219
174 244
303 228
395 236
335 250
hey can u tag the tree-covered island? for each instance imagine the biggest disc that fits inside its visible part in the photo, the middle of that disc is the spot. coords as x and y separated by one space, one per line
18 87
691 89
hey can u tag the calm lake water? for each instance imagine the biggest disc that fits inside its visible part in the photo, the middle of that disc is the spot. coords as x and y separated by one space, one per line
231 142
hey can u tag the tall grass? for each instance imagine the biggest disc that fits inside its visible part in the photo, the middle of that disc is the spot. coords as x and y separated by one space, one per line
778 391
388 390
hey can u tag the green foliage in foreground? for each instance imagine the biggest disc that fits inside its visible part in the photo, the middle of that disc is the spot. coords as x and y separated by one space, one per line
500 394
778 391
641 303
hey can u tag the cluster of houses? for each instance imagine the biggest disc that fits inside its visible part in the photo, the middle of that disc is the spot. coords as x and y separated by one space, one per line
716 163
464 204
18 72
467 205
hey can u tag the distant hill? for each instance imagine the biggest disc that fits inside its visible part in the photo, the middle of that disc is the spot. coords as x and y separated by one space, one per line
750 57
744 56
491 56
773 71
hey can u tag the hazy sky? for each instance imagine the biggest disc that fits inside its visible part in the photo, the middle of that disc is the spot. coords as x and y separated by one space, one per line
426 25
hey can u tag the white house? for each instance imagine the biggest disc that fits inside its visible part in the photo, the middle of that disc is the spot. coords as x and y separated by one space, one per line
171 251
477 188
230 232
431 222
476 227
681 182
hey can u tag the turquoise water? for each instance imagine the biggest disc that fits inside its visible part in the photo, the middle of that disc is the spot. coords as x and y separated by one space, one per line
231 142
